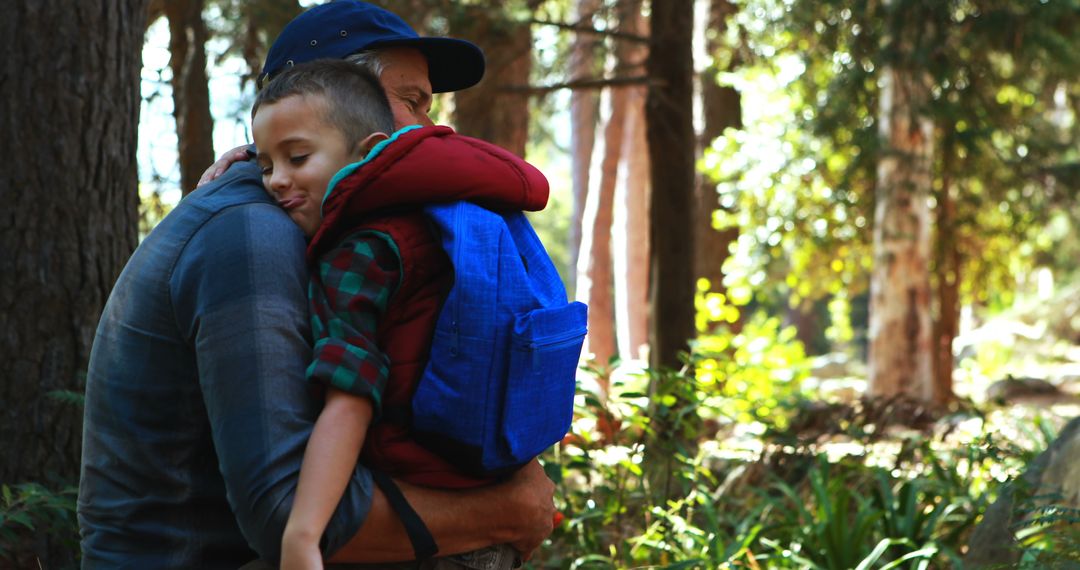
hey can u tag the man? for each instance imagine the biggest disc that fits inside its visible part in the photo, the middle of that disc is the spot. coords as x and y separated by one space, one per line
197 413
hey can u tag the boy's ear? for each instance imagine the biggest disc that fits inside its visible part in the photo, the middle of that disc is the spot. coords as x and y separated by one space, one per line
370 141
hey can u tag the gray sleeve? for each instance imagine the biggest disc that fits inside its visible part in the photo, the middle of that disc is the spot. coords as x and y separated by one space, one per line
239 290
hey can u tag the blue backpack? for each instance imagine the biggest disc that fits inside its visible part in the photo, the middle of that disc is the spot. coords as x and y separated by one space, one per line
499 384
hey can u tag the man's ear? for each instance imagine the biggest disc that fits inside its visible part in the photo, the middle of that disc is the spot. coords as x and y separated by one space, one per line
369 142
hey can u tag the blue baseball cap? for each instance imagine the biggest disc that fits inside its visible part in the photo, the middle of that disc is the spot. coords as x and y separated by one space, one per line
341 28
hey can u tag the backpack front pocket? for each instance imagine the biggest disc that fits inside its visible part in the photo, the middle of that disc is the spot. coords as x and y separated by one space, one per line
539 402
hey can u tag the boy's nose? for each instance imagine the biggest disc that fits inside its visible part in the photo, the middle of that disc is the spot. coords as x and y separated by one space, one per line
278 182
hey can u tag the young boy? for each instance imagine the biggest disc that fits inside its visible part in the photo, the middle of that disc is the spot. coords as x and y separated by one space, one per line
379 274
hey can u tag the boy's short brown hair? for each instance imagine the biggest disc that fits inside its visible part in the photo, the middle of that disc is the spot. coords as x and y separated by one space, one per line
355 102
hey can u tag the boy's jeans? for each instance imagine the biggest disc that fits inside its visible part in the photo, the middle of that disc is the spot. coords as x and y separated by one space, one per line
499 557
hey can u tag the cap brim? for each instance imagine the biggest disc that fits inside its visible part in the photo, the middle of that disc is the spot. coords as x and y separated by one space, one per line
453 64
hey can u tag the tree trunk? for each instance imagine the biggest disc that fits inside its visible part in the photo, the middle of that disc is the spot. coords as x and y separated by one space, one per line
154 10
583 110
594 269
68 135
900 335
669 120
947 265
721 108
595 262
632 215
487 111
263 22
191 90
670 131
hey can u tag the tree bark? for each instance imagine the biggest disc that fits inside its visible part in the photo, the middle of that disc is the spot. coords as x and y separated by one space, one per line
721 108
68 128
900 335
154 10
263 21
595 263
669 120
487 111
191 89
583 110
594 270
947 266
632 217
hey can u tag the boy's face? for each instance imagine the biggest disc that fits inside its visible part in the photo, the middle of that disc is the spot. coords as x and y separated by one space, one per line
299 153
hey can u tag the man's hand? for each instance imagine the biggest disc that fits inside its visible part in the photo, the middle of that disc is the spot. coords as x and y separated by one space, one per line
237 154
518 512
532 489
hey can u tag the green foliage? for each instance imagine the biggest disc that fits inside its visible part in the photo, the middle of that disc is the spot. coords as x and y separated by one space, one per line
152 209
29 510
1047 527
746 375
71 397
799 180
1050 535
908 502
835 529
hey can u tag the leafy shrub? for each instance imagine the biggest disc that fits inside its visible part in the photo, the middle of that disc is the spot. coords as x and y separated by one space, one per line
746 374
32 514
646 481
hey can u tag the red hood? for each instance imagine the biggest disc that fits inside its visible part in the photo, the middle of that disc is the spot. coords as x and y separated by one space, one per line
425 166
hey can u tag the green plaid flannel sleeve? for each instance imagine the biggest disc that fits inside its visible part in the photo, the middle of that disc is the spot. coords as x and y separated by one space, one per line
350 290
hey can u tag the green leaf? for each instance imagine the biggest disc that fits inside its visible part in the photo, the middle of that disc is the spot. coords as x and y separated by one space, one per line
591 559
22 519
875 554
67 397
695 563
921 553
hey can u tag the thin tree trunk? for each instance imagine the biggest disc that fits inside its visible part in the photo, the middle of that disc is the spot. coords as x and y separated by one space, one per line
947 264
721 108
632 216
487 111
900 335
263 22
595 277
670 129
809 329
668 114
595 263
68 132
583 111
191 90
154 10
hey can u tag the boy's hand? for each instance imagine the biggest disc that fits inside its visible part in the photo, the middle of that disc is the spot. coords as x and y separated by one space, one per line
300 555
237 154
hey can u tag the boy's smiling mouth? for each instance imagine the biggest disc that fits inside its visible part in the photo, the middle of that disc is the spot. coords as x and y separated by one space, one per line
290 203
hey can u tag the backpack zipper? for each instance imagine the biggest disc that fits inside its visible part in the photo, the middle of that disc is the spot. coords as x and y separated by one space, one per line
554 341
